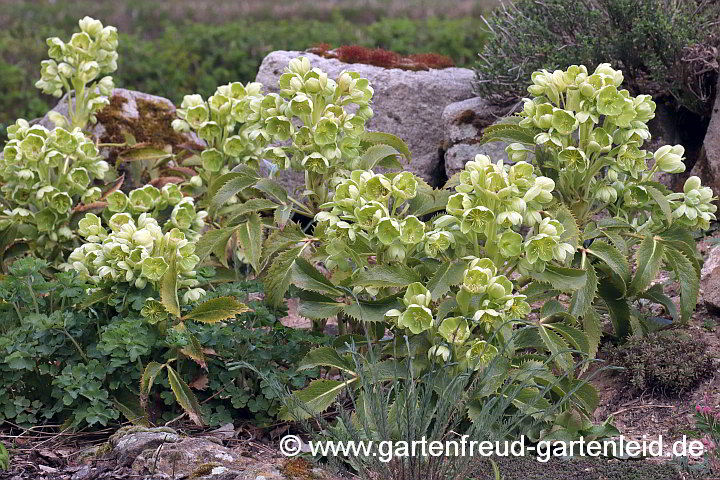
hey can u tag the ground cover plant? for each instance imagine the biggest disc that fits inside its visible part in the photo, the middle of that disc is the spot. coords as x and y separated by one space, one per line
475 307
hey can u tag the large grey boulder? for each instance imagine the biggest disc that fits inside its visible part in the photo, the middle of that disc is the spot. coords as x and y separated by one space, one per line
708 165
463 123
408 104
710 281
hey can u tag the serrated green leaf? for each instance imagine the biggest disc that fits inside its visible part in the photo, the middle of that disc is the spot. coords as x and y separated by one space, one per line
562 278
555 344
314 399
617 307
583 298
195 351
283 239
326 357
592 327
250 238
227 186
318 307
447 275
613 258
575 337
687 278
214 241
185 397
427 202
571 233
661 201
168 288
373 311
307 277
508 132
375 138
217 310
282 215
97 296
272 188
251 206
386 276
656 294
279 275
373 155
148 379
649 259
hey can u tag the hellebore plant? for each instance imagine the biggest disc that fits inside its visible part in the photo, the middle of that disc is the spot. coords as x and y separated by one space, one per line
75 68
45 175
586 133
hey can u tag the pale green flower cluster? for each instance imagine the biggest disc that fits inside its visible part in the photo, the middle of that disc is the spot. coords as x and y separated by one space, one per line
693 207
591 131
312 116
157 202
486 300
494 200
44 174
76 66
369 210
136 253
231 122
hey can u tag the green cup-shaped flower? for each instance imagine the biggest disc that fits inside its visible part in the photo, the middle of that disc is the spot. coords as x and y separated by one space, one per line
416 293
197 114
540 247
510 244
413 230
369 215
437 242
45 220
141 200
153 268
316 163
476 279
563 121
117 201
573 158
183 214
454 329
154 311
609 101
80 177
209 131
172 194
326 132
212 159
301 105
90 224
516 152
670 159
458 203
61 202
346 194
63 140
481 353
32 147
280 128
377 188
416 318
404 186
476 219
388 230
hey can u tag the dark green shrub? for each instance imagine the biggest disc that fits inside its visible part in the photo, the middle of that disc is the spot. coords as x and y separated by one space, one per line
665 364
661 46
60 362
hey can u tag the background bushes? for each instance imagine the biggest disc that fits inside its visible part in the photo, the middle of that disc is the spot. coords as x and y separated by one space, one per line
163 51
663 47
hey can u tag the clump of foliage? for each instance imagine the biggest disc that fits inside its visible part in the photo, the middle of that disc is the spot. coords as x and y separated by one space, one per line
75 68
586 133
65 357
384 58
663 47
45 176
707 429
663 364
4 458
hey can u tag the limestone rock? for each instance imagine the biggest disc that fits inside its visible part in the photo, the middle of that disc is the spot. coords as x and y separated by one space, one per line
408 104
710 280
463 123
708 165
